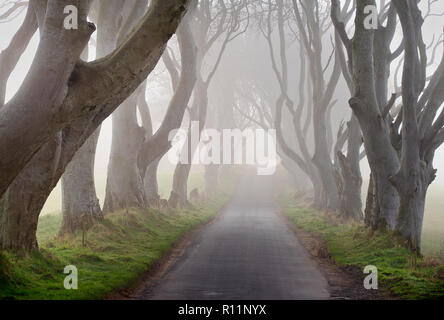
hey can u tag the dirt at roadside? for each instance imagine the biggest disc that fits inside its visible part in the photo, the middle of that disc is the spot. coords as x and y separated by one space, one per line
160 267
345 283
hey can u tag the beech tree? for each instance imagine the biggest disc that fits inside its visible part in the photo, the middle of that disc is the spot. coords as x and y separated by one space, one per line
61 47
255 106
311 34
308 28
214 20
158 144
80 204
11 55
400 147
381 192
281 72
62 108
124 186
347 163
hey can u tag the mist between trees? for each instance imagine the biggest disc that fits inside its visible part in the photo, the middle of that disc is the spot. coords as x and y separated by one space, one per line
343 84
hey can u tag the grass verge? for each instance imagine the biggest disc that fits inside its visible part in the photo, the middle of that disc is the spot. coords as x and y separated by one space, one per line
119 250
398 270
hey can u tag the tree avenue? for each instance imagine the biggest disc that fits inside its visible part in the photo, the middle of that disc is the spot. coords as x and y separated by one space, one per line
342 83
62 108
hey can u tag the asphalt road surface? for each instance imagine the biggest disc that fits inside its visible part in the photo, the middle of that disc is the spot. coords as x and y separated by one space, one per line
247 253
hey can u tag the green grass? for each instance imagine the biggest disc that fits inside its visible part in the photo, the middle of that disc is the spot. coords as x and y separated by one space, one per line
432 242
119 250
48 227
398 270
53 204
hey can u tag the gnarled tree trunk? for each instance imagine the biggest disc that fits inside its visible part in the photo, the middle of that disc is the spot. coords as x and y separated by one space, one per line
322 93
350 195
150 183
149 175
411 213
179 192
98 89
35 105
383 200
124 186
322 160
20 206
158 144
79 199
80 204
11 55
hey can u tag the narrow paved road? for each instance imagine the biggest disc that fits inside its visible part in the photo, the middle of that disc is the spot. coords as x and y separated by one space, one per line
247 253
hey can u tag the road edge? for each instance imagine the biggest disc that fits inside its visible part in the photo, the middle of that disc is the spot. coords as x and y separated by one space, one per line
160 267
344 283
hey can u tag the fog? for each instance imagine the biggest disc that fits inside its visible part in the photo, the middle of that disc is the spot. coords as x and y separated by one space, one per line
246 58
230 148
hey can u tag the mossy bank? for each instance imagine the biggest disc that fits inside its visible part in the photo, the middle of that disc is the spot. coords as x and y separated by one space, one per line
118 252
399 271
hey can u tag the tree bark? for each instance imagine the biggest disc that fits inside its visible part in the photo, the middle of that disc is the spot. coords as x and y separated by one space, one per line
322 160
41 91
349 171
414 175
304 162
78 187
351 203
383 158
228 22
411 214
371 204
383 208
322 95
149 175
159 144
178 196
198 112
151 185
11 55
80 204
94 89
94 94
20 206
124 186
